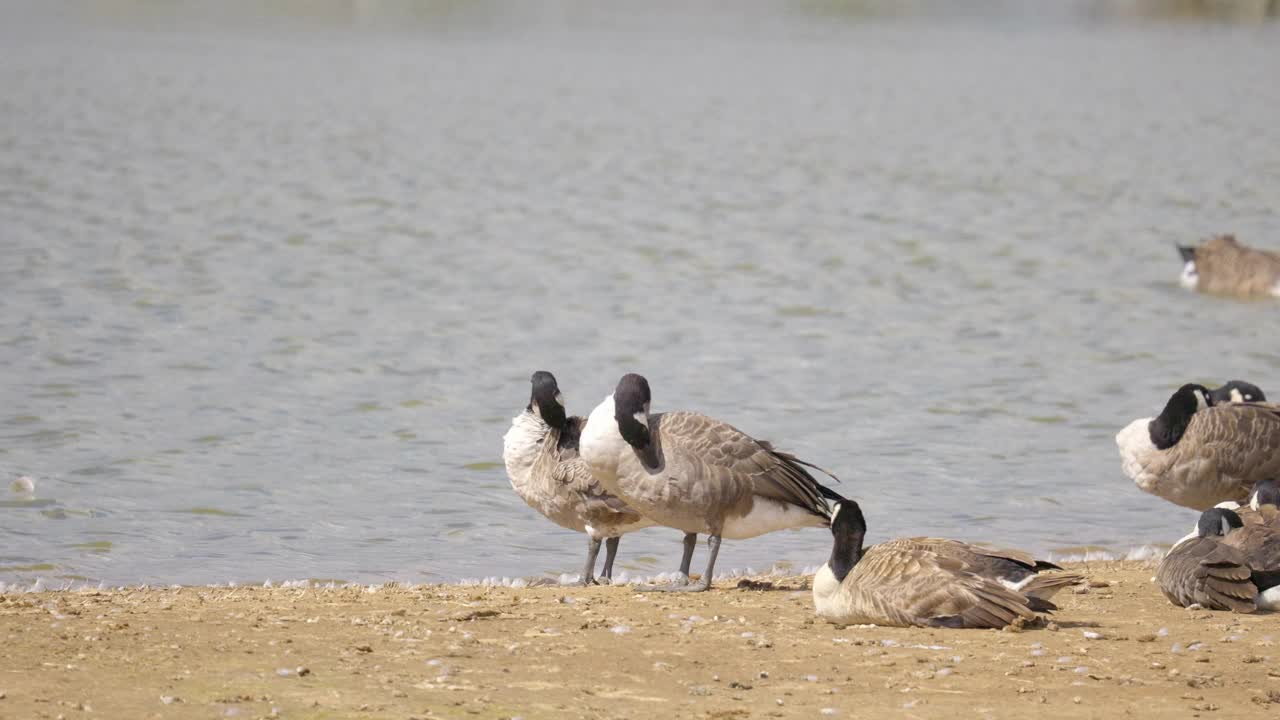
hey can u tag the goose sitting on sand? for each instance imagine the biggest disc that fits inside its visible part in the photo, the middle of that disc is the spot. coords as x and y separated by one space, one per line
1263 507
928 582
1197 455
1225 267
697 474
541 454
1224 564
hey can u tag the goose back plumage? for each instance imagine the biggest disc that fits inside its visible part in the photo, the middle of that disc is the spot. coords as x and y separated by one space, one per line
1017 570
556 482
928 582
1223 451
1223 266
1204 571
902 586
707 476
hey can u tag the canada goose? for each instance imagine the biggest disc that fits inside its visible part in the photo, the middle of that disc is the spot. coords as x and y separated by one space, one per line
541 454
1225 267
927 582
1223 565
697 474
1263 507
1266 493
1237 391
1195 455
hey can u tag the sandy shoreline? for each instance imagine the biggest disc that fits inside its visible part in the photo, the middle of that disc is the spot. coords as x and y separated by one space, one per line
492 652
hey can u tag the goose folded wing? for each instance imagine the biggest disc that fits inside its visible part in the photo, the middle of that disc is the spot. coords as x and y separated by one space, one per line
1204 571
1259 543
1241 440
594 501
916 587
724 451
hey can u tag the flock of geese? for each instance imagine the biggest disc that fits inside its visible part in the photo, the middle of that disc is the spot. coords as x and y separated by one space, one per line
624 468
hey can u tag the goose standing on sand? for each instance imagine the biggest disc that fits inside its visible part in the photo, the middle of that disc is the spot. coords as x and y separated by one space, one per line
541 454
928 582
1197 455
1225 267
697 474
1222 565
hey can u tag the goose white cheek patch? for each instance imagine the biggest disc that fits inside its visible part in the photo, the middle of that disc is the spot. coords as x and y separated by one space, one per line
1190 278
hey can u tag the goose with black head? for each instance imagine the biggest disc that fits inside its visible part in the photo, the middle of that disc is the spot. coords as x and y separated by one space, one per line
697 474
1223 564
541 454
1236 391
928 582
1222 266
1197 454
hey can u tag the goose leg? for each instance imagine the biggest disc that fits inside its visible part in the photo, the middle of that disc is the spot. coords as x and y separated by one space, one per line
610 552
704 583
690 542
588 572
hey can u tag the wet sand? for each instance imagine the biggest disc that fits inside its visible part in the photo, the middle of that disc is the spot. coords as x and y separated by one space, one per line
1114 649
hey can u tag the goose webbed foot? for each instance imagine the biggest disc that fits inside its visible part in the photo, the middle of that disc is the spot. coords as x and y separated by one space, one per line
702 585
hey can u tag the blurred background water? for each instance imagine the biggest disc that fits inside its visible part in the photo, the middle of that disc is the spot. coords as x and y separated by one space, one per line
275 274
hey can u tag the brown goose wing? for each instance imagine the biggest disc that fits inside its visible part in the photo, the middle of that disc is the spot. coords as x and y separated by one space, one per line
1260 544
1224 265
726 452
989 562
593 503
1205 571
916 587
1240 440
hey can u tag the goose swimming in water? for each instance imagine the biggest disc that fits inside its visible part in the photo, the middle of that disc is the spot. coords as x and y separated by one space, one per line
1224 564
1225 267
928 582
1197 455
541 454
697 474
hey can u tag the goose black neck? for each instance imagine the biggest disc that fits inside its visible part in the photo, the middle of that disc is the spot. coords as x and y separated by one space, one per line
848 529
545 400
630 406
1167 429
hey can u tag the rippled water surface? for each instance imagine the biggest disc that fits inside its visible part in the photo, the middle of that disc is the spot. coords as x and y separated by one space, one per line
273 284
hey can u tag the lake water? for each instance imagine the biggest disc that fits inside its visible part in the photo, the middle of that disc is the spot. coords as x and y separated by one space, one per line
274 282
